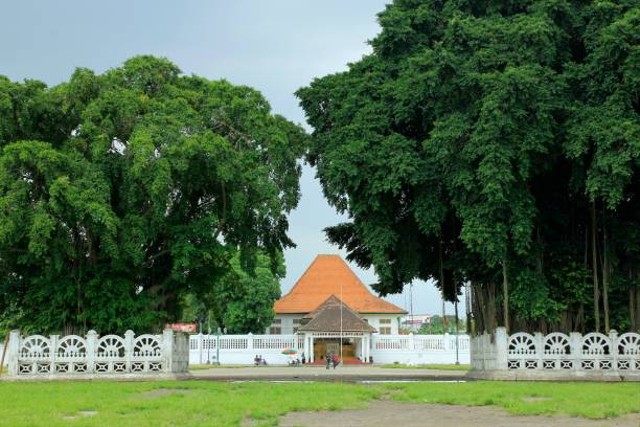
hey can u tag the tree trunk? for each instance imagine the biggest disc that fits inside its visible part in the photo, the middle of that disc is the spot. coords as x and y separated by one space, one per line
477 302
505 295
594 268
632 310
442 285
605 274
469 308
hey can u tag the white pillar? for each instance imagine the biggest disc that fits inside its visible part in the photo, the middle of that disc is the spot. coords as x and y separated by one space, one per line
366 346
167 350
13 351
92 349
502 348
53 345
128 350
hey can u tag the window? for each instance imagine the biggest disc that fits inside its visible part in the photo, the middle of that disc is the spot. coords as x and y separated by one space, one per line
385 327
276 327
296 325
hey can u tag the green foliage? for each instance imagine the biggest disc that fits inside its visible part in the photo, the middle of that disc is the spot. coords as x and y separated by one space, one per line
241 301
437 325
478 135
120 193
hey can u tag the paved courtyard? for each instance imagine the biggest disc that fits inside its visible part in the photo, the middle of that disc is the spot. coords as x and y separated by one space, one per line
346 373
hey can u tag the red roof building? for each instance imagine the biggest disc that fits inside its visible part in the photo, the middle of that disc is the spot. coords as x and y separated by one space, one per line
334 311
330 275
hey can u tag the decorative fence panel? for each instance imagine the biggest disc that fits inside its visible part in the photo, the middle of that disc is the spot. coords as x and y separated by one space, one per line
557 353
110 354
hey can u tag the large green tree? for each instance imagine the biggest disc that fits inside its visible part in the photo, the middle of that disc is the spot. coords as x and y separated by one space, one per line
122 192
240 302
495 143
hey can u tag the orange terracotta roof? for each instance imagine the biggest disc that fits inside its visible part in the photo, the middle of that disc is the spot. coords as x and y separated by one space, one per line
330 275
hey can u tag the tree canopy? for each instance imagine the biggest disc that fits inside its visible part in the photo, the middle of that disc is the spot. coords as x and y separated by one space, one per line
122 192
495 143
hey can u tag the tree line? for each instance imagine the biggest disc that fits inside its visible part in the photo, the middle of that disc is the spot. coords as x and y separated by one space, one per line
495 144
126 194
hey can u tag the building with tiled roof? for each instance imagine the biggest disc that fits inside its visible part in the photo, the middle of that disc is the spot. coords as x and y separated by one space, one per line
334 311
330 275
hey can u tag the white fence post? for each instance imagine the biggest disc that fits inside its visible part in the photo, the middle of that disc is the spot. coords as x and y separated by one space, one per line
613 350
53 340
92 349
167 350
575 347
128 349
502 348
13 352
538 340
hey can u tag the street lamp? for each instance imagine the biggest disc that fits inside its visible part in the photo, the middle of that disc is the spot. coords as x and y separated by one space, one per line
218 346
455 304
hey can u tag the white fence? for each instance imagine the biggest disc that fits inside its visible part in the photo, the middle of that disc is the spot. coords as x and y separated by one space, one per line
420 349
110 354
557 355
409 349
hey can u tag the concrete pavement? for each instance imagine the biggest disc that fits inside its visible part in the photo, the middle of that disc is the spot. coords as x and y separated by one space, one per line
346 373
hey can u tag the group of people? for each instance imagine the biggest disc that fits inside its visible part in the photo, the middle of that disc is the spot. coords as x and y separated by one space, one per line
295 361
332 360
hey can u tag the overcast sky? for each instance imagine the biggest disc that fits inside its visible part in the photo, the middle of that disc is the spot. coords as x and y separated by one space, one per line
275 46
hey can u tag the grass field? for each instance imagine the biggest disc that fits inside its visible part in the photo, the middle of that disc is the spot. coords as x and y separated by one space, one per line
203 403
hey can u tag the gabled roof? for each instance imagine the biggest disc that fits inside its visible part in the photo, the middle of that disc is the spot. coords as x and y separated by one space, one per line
335 316
330 275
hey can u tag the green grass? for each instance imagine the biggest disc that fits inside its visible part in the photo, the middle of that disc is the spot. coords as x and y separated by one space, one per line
440 367
204 403
588 400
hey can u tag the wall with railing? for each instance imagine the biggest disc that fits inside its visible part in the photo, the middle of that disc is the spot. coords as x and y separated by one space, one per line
557 355
420 349
95 355
409 349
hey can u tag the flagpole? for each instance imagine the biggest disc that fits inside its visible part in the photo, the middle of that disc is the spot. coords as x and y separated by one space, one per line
341 305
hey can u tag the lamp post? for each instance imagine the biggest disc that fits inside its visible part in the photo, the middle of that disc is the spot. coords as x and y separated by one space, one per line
209 339
455 304
218 346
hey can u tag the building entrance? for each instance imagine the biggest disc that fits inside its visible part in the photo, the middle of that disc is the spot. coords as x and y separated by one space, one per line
324 346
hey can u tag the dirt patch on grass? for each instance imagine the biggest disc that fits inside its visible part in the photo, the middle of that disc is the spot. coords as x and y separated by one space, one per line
81 414
161 392
384 413
533 399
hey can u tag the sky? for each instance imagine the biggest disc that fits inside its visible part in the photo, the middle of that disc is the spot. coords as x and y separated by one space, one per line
274 46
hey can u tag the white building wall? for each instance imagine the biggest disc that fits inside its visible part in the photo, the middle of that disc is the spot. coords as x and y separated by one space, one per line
374 320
